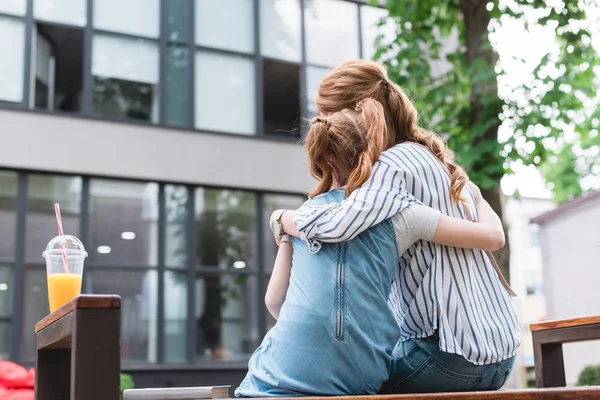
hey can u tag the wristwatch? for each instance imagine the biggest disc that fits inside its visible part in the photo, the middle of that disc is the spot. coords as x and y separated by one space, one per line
276 225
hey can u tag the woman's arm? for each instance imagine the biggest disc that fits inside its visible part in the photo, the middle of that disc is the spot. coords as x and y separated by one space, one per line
280 278
382 196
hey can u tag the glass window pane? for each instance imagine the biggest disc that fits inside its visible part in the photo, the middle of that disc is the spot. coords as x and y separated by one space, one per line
331 32
125 77
272 202
6 297
135 17
176 199
35 306
280 29
175 303
314 76
225 93
227 316
139 306
371 18
225 228
123 223
15 7
225 24
12 48
177 20
71 12
8 214
43 192
177 88
281 103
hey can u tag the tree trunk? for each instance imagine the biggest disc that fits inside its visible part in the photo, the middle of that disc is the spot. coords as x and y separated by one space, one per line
486 106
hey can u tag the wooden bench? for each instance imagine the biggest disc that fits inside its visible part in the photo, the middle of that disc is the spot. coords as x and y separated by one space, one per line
77 350
548 338
583 393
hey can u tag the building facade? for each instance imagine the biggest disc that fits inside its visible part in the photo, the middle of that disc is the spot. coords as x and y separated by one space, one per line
570 250
526 277
168 130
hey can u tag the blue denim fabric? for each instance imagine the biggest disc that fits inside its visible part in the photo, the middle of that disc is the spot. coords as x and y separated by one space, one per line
335 334
421 367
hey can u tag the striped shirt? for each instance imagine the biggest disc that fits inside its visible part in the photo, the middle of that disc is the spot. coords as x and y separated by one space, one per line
452 290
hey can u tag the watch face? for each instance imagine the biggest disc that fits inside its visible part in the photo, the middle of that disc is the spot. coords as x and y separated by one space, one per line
275 227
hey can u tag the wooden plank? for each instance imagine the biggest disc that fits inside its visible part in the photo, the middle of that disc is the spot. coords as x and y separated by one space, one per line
565 323
96 361
57 335
571 393
85 301
53 374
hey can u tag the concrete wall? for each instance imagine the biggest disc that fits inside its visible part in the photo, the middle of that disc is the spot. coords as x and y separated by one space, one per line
85 146
571 252
525 272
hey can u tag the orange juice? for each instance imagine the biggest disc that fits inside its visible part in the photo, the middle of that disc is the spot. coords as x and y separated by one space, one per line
62 288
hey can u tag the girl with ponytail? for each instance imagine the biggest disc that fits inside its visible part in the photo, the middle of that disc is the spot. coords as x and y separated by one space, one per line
457 324
335 333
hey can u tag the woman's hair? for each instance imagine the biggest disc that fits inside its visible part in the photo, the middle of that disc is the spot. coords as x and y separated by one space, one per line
344 145
353 81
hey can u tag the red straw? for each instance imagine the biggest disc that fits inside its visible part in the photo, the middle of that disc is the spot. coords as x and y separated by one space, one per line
61 234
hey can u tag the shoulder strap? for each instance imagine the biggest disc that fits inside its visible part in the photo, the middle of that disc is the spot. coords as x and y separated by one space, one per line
491 257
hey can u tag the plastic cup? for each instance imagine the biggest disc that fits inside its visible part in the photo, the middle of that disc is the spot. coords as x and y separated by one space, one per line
64 282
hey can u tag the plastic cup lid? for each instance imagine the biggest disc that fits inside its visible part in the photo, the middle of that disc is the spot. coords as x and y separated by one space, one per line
72 246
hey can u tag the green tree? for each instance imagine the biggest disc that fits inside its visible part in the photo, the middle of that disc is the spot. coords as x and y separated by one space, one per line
589 376
463 103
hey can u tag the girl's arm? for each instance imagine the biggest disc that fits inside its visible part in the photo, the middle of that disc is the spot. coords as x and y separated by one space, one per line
280 278
419 222
487 234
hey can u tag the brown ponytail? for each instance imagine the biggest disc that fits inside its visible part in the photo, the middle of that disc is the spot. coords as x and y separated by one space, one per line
353 81
343 147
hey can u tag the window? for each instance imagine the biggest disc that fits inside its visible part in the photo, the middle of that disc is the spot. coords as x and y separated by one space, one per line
35 307
176 308
6 300
178 91
225 229
225 24
280 29
226 316
176 203
371 18
177 20
123 223
271 203
125 77
134 17
331 32
314 76
43 192
59 67
12 48
225 93
8 214
139 305
72 12
15 7
281 86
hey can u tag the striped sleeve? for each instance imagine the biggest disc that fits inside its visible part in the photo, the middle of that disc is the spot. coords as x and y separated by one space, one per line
382 196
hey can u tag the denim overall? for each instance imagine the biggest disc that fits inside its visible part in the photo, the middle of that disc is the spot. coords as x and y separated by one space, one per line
335 332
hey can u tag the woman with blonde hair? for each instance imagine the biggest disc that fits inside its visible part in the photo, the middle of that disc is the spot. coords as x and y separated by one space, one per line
458 328
335 333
